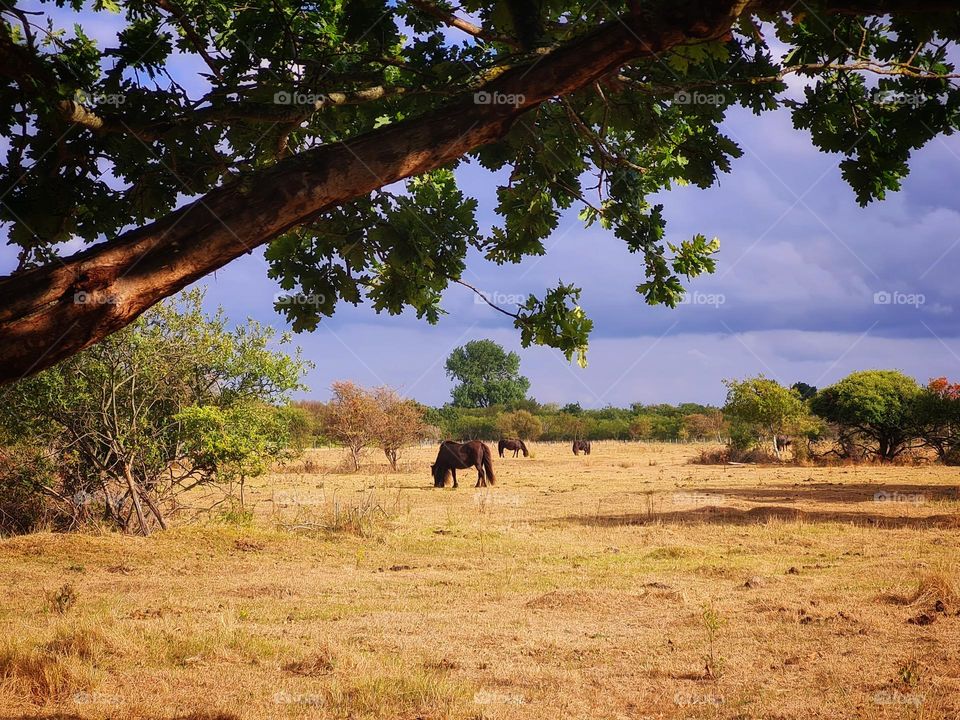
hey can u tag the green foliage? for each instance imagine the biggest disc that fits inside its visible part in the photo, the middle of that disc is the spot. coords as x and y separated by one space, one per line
299 425
234 442
713 622
805 391
28 481
174 400
659 422
521 424
879 406
743 436
486 375
762 409
186 101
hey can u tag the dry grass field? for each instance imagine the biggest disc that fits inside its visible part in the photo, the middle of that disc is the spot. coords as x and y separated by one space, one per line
627 584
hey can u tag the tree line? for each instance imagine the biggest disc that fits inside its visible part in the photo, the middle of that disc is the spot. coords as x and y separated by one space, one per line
336 422
175 412
880 415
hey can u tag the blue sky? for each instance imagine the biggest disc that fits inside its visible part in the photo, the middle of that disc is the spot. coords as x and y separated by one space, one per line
808 287
793 296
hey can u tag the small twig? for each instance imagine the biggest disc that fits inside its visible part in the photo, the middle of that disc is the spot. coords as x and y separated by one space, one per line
515 316
448 18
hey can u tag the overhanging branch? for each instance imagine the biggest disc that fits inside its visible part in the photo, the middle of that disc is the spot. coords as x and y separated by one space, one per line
52 312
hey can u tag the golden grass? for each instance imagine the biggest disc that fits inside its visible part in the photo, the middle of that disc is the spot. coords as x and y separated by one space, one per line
626 584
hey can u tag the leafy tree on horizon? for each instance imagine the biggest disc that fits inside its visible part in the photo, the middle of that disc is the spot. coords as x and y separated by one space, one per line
332 135
761 409
486 375
878 406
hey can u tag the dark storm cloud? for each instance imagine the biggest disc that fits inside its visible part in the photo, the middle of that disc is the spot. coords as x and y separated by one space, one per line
808 287
797 253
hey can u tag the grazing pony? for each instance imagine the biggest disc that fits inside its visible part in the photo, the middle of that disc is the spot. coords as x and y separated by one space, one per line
455 456
581 446
515 445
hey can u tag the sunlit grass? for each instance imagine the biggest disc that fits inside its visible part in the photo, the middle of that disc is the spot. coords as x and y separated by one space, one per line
575 588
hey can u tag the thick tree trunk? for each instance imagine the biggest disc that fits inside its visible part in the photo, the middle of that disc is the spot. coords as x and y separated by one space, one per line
50 313
135 499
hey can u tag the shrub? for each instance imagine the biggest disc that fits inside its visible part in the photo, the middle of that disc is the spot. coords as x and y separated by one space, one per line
520 424
32 494
359 419
113 417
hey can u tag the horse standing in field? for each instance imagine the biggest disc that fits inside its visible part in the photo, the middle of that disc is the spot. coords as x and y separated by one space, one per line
515 445
455 456
781 443
581 446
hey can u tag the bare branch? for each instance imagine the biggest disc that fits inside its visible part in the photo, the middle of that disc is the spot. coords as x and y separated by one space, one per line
448 18
515 316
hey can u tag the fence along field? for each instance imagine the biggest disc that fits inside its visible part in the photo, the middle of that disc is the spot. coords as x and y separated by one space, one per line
627 583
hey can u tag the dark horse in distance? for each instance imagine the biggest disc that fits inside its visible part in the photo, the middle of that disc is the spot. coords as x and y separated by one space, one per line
581 446
515 445
455 456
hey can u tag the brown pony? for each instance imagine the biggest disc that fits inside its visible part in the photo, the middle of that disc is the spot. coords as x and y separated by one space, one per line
515 445
455 456
581 446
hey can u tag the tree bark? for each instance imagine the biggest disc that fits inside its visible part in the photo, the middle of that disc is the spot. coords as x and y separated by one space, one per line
52 312
135 498
155 510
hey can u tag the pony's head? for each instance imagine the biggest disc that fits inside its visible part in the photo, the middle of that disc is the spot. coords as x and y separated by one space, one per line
440 475
523 446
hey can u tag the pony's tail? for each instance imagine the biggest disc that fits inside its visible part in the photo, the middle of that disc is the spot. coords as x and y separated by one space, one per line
488 465
523 446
